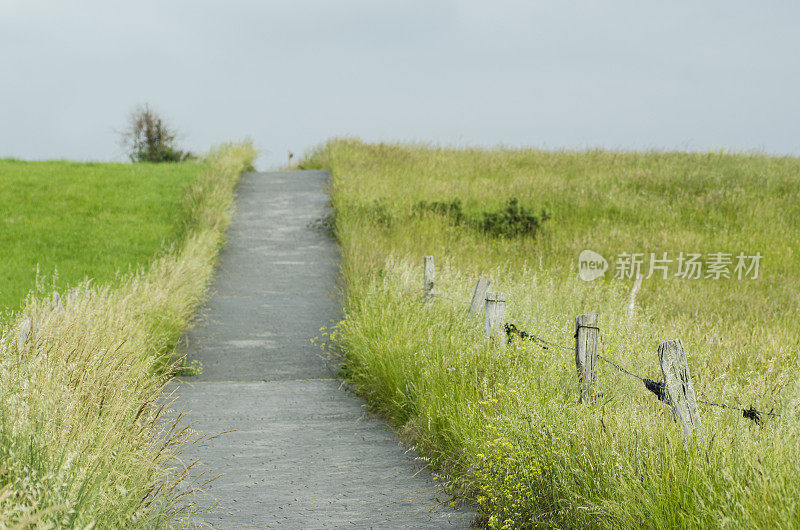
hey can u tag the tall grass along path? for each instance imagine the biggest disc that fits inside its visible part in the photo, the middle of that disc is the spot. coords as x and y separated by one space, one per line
299 451
507 424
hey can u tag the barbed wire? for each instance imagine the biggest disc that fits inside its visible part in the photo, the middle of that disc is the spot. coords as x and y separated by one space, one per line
512 330
656 387
750 414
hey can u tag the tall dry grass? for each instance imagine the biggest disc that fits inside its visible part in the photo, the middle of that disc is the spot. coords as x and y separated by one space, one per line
82 440
504 427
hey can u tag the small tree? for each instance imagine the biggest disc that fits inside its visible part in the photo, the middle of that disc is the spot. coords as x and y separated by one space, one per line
149 139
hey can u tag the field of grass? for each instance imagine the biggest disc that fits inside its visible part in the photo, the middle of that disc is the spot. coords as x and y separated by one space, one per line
83 441
75 221
504 428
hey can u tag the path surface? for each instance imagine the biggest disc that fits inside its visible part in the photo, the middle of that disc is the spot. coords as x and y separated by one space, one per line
303 453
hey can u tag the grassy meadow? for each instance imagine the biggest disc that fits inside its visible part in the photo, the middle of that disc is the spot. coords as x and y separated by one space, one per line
72 221
83 439
503 427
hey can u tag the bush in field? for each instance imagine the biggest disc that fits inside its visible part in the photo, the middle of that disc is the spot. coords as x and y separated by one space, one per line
149 139
513 220
451 210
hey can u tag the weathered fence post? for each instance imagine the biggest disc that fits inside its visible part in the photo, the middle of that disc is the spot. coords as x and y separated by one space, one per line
678 385
632 297
479 296
430 274
586 338
495 306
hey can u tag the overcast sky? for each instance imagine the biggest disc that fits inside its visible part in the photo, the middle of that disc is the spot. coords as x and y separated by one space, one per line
290 74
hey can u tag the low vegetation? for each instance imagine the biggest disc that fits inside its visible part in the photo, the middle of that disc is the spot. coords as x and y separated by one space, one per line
513 220
83 442
503 428
71 221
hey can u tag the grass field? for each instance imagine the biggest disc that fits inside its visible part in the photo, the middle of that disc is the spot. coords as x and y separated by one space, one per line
503 427
72 221
84 442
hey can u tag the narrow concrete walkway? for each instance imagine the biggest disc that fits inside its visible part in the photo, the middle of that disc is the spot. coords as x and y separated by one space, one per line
302 452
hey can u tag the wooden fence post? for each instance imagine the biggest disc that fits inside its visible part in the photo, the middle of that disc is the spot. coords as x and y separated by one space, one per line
678 385
632 297
495 306
479 296
586 338
430 274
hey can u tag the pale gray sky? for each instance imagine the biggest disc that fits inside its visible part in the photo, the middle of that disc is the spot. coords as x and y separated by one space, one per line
290 74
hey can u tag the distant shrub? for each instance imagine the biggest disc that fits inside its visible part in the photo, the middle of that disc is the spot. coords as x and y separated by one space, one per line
149 139
452 209
513 220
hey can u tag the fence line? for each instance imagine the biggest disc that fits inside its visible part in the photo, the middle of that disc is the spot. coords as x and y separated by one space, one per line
655 387
676 389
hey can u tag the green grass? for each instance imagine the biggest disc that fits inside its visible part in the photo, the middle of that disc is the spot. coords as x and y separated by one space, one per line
503 426
84 441
71 221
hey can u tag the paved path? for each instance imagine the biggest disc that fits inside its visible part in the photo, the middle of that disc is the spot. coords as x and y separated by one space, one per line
303 453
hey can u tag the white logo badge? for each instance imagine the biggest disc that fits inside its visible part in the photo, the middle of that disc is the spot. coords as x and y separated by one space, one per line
591 265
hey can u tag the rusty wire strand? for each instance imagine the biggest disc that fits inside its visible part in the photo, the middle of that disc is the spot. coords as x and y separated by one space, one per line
656 387
512 330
